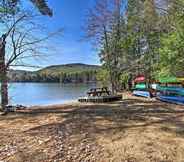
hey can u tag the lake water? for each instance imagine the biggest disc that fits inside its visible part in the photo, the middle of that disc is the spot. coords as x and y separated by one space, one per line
46 93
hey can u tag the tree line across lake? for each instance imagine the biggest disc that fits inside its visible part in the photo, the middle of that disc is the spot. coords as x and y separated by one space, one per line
71 73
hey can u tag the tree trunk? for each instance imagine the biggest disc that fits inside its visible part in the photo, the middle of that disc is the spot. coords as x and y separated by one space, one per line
3 75
109 60
4 92
130 82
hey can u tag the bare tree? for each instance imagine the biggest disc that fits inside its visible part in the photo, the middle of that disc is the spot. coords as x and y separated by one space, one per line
8 9
20 43
98 29
3 66
104 19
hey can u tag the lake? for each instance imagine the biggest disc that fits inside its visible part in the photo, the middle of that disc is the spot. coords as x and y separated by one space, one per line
46 93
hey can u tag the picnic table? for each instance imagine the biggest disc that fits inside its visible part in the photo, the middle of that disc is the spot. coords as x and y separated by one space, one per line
98 92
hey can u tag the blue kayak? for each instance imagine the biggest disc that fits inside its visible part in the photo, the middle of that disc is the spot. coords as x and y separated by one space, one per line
172 99
142 93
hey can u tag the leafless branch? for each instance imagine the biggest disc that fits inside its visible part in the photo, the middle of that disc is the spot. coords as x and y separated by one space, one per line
14 24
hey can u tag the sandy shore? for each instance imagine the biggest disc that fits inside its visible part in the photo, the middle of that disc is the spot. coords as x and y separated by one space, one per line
132 130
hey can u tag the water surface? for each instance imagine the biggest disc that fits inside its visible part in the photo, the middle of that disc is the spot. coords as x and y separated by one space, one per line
46 93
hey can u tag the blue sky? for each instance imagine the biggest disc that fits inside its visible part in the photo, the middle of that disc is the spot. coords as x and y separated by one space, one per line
68 48
69 14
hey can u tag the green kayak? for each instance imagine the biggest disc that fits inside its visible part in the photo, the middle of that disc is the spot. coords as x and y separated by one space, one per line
140 86
169 80
171 90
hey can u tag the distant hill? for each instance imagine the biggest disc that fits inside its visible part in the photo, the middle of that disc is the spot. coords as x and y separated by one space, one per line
68 73
70 68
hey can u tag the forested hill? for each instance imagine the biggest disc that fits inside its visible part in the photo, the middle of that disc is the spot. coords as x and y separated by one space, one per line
69 73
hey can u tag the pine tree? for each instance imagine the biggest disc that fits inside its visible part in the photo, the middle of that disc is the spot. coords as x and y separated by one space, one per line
7 6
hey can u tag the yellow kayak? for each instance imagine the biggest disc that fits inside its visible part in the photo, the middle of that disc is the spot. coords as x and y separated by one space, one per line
181 79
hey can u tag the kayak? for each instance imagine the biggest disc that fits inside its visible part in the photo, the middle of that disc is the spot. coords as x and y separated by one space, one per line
172 99
140 79
173 93
140 86
142 93
169 80
181 80
171 90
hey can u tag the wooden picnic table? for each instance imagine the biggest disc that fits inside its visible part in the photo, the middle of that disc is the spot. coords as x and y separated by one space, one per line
98 92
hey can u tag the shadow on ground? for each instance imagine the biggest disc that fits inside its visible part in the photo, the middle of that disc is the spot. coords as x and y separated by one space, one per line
129 113
75 129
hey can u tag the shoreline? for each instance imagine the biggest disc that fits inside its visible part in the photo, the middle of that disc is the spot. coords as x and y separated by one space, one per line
67 103
125 95
119 131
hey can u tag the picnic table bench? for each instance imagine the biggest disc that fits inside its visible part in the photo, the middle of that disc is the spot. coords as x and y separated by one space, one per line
98 92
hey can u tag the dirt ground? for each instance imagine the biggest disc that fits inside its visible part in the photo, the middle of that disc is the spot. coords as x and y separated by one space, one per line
132 130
